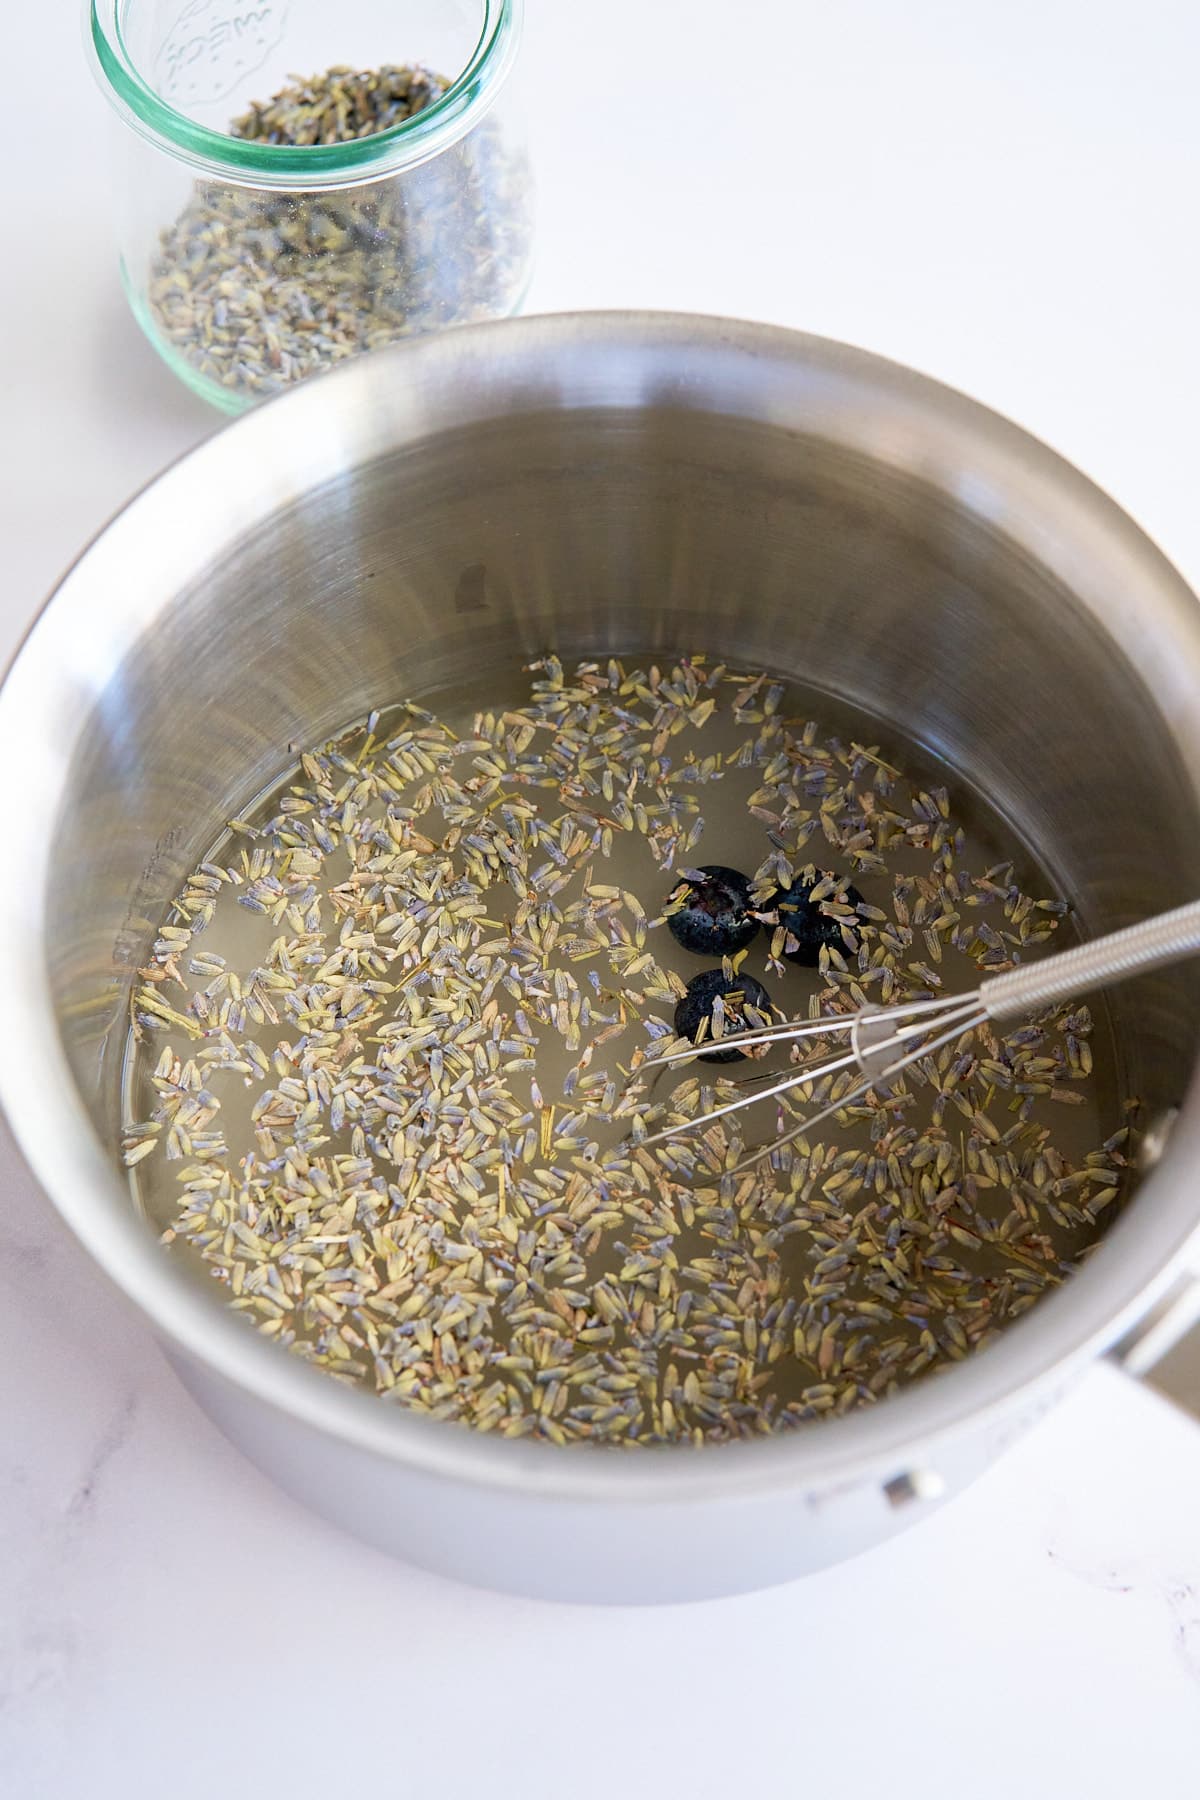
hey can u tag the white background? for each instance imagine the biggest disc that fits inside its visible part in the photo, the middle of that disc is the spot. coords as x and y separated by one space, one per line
1003 195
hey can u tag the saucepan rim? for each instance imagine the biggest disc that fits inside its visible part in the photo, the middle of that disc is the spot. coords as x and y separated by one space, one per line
355 413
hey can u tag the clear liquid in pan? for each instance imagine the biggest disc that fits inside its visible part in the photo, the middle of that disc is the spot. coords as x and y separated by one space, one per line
499 1254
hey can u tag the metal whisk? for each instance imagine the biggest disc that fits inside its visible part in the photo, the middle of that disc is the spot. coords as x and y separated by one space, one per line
883 1041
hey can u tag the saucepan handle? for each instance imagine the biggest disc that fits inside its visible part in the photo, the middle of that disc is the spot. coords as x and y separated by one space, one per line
1169 1321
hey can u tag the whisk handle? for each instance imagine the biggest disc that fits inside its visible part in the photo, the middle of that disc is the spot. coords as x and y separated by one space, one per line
1167 939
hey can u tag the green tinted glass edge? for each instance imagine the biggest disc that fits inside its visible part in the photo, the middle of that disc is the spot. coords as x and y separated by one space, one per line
408 141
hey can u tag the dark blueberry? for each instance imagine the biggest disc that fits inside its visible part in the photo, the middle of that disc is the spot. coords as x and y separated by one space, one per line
807 924
738 992
714 919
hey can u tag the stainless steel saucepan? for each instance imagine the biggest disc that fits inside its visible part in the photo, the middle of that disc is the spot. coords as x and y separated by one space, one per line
594 483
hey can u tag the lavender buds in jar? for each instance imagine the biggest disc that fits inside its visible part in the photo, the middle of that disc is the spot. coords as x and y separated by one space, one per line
334 212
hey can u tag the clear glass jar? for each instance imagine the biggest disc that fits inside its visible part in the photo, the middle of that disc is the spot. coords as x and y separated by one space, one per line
255 251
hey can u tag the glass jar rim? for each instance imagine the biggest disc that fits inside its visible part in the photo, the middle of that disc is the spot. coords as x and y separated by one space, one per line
251 163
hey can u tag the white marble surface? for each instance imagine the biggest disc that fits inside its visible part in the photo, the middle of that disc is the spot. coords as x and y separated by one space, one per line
1004 196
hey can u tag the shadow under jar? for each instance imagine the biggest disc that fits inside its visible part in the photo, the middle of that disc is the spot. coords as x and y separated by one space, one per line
297 184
